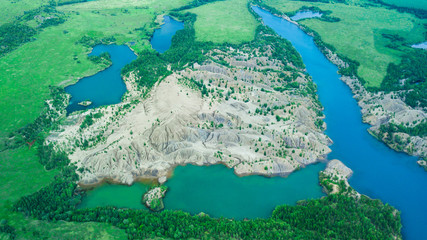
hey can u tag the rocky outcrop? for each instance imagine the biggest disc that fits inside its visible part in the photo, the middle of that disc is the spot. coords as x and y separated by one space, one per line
334 179
251 120
387 109
153 199
337 169
423 164
85 103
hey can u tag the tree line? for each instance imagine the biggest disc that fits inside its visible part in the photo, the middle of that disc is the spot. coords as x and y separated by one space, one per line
18 32
410 75
335 216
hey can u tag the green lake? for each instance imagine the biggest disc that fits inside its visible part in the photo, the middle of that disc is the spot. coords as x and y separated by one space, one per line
115 195
217 191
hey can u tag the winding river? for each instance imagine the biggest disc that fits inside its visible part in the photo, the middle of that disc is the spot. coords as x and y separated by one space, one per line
379 171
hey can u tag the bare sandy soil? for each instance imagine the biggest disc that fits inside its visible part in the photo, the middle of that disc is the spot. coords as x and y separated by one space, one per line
242 122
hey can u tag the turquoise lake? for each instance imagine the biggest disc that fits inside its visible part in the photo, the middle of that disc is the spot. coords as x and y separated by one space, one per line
379 171
115 195
107 87
217 191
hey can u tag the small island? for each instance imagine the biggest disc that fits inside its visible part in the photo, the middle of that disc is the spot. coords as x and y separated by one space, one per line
153 199
85 103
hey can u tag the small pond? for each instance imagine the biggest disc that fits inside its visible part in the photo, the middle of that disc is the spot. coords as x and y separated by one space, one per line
305 14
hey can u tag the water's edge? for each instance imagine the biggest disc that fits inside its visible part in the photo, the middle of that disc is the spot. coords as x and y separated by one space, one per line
378 170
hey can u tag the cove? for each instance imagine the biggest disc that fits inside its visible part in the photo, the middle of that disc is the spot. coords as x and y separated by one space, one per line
305 14
106 87
162 37
219 192
379 171
115 195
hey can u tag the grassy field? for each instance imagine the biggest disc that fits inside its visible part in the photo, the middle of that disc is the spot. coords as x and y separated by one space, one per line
21 174
421 4
12 8
225 21
34 229
359 33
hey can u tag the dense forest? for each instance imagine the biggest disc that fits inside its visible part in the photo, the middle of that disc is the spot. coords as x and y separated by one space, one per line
410 75
12 35
195 3
67 2
18 32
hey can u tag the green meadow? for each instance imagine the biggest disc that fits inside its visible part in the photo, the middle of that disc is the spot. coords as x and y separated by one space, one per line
359 34
224 21
21 174
421 4
11 9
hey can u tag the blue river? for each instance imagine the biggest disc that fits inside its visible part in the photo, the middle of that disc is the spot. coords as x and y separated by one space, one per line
379 171
106 87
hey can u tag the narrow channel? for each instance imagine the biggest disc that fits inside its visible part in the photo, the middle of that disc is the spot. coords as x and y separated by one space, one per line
379 171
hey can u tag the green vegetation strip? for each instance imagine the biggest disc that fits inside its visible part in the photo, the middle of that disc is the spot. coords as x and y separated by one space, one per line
225 21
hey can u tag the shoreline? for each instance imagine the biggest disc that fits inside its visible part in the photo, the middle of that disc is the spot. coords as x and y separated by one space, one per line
359 92
150 181
202 130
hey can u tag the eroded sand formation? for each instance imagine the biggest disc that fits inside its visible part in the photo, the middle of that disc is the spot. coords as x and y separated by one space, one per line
253 117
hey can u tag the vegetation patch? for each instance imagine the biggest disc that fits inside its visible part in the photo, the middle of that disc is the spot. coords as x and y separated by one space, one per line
224 21
409 77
